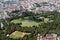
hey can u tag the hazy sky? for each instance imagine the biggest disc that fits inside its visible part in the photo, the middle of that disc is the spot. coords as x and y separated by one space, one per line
6 0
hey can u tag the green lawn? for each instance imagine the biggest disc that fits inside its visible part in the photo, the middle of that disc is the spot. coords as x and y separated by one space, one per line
29 23
16 21
18 34
25 22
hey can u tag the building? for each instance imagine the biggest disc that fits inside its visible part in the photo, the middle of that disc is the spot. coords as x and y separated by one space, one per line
48 37
1 25
39 37
58 38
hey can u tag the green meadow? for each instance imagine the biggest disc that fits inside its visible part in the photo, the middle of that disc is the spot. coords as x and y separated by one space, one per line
29 23
18 34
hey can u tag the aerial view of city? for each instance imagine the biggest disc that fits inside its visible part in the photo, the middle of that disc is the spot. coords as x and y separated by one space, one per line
29 19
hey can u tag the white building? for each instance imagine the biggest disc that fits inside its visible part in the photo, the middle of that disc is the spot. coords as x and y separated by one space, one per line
1 25
58 38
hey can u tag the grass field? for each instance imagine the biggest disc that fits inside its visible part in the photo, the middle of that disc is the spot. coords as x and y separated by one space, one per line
18 34
27 23
15 21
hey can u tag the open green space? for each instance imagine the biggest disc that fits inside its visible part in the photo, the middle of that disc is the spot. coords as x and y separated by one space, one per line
18 34
15 21
28 23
